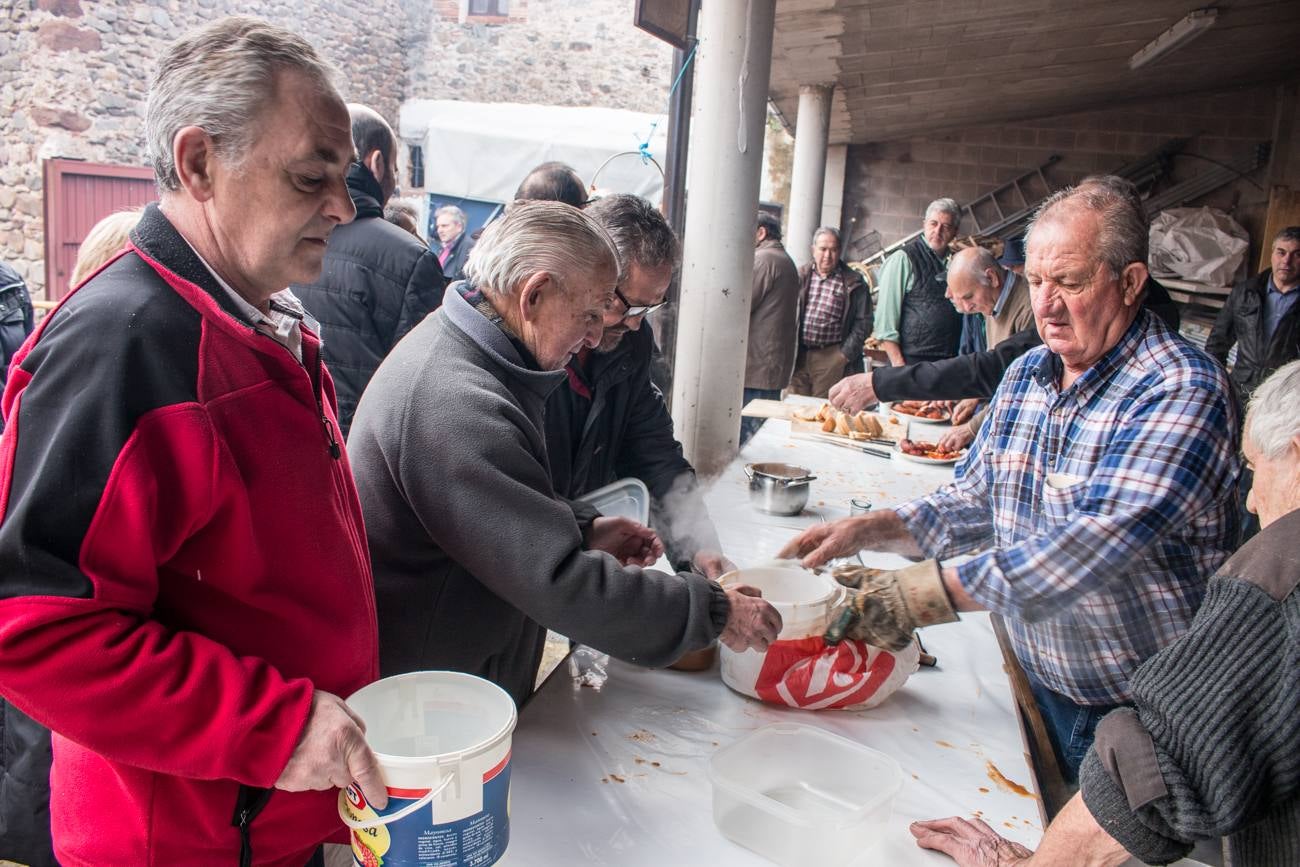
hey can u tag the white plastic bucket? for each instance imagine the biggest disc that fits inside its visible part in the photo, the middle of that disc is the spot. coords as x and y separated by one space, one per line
806 601
798 669
443 743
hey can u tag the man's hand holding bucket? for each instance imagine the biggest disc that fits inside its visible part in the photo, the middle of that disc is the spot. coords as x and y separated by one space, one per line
332 753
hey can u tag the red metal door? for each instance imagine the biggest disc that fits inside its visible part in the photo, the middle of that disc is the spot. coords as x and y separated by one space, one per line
77 196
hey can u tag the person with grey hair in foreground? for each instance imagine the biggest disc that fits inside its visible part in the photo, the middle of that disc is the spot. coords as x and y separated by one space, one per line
1208 748
1100 492
475 552
913 320
183 567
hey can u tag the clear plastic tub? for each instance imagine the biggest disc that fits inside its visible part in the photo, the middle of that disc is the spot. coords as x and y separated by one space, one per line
625 498
799 795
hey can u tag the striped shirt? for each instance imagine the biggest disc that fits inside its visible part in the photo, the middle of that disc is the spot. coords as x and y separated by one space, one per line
1106 507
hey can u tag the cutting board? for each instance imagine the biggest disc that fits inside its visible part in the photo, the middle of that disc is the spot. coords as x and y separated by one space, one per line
761 408
892 430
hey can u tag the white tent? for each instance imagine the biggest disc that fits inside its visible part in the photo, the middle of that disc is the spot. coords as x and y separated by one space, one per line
483 150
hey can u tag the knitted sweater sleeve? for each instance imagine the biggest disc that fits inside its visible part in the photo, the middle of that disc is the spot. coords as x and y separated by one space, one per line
1210 746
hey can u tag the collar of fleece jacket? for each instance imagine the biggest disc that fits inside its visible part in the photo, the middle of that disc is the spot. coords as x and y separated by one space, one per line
158 239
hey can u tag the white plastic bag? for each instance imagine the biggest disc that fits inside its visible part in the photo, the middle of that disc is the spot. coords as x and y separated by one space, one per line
1203 245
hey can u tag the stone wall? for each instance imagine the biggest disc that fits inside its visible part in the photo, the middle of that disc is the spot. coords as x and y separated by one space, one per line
74 73
545 52
888 185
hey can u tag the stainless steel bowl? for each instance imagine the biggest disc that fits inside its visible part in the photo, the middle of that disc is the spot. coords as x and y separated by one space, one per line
779 489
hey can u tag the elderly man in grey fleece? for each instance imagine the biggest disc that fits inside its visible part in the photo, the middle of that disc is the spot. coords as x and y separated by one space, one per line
474 554
1211 747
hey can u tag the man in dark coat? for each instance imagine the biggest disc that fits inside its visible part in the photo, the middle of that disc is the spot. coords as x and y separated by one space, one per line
609 421
454 243
1262 317
17 318
773 320
378 281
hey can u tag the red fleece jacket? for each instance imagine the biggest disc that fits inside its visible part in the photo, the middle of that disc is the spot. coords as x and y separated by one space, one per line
182 559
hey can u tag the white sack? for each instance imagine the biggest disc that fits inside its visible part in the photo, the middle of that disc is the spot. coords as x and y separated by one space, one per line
1203 245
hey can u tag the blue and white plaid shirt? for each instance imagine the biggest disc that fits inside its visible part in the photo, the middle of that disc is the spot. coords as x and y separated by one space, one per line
1107 507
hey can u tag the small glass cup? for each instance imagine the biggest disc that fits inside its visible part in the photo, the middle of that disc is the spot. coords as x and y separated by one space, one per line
859 506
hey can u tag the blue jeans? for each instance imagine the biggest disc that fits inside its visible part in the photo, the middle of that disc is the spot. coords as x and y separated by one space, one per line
1071 727
750 426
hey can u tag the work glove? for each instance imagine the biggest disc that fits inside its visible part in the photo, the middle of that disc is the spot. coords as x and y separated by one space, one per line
884 608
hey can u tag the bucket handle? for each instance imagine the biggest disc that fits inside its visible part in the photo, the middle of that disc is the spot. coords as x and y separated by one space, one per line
402 813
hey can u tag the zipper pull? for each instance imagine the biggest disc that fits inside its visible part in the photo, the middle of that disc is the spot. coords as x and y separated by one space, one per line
335 451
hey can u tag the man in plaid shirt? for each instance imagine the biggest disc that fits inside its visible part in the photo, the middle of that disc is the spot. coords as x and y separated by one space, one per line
1101 490
834 318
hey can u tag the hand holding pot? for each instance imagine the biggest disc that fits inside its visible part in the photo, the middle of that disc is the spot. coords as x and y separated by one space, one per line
884 608
752 622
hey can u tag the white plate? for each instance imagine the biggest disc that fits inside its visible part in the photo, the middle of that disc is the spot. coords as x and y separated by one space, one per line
922 459
888 408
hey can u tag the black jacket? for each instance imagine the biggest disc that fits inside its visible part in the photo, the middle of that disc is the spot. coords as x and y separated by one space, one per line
1241 321
377 283
623 430
454 268
17 318
977 374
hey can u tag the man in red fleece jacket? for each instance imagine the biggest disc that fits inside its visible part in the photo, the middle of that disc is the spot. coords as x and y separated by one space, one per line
185 587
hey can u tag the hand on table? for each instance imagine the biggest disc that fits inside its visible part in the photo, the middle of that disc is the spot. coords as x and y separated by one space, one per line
631 543
712 564
332 753
964 410
969 842
957 439
886 607
752 622
853 393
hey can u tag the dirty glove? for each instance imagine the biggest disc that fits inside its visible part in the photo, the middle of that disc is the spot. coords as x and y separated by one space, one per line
885 607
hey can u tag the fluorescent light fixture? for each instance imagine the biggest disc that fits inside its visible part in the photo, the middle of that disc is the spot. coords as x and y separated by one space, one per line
1190 26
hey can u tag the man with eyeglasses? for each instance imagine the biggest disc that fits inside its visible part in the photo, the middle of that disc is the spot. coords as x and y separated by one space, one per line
610 421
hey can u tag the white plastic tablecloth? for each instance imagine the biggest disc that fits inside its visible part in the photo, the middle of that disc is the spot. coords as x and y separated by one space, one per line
617 775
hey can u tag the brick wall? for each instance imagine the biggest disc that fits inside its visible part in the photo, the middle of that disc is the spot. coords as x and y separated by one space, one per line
889 184
74 73
548 52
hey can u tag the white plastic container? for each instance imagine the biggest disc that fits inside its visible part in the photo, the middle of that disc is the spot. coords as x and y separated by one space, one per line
442 739
800 796
625 498
798 669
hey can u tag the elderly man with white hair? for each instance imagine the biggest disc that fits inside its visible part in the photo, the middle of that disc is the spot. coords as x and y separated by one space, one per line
475 555
1100 492
1208 749
184 578
913 320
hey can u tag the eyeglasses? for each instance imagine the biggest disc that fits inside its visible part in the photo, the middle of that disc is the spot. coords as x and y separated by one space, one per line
635 310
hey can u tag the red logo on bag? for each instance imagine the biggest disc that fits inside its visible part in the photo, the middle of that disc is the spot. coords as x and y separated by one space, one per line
807 673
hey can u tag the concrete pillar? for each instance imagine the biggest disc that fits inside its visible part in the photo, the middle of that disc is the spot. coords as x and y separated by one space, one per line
733 62
808 175
837 161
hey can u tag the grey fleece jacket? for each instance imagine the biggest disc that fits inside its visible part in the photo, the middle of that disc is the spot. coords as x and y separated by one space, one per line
1212 745
474 555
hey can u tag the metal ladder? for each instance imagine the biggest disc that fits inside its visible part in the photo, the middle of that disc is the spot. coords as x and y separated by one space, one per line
1017 183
